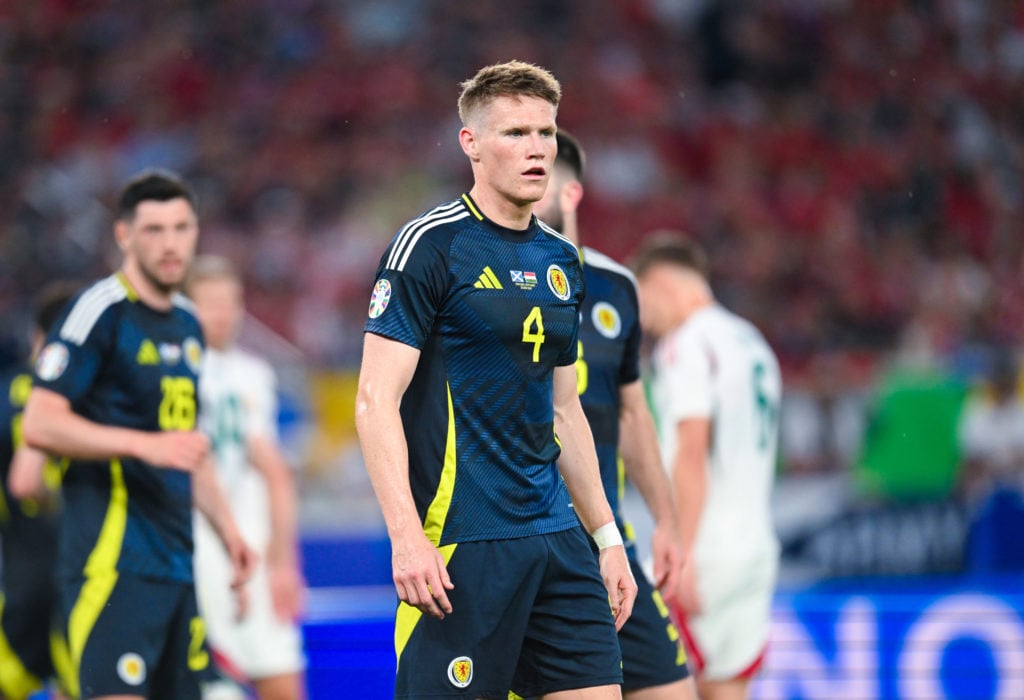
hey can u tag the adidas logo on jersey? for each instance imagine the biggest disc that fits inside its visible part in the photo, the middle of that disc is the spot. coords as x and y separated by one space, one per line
488 280
148 354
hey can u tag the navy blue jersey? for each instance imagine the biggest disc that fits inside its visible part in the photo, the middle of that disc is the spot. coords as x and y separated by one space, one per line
493 311
608 358
121 363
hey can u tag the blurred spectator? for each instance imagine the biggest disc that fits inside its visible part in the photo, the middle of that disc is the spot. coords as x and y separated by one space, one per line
992 431
856 170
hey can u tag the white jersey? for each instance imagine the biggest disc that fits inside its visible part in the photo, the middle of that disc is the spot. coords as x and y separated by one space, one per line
718 366
237 392
239 402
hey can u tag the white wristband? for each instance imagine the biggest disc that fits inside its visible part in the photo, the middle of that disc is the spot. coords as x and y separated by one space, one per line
607 536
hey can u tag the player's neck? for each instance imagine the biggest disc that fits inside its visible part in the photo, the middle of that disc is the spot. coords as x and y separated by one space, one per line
148 293
501 210
694 305
570 229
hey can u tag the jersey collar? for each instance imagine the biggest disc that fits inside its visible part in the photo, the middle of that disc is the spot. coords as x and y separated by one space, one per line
129 290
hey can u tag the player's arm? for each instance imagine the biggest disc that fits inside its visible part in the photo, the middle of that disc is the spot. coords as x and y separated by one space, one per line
638 445
690 484
26 477
50 424
208 499
578 466
286 583
418 569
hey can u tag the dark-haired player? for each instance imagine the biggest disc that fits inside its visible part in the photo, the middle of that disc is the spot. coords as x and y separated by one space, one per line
611 391
115 392
31 640
469 421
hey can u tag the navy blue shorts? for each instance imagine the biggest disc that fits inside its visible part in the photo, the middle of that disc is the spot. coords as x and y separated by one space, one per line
29 627
529 614
652 651
133 636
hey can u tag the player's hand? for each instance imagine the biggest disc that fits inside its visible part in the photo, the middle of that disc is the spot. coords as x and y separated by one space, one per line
618 579
686 596
287 590
26 478
668 556
176 449
241 602
243 558
420 576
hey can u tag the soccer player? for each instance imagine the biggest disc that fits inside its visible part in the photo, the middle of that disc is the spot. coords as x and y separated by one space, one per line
716 391
237 394
115 392
31 643
611 391
473 434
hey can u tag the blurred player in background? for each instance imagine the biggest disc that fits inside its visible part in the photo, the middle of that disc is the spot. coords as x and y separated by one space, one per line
32 645
608 381
237 392
468 362
115 391
716 391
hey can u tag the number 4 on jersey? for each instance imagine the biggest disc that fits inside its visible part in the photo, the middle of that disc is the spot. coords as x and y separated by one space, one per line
533 331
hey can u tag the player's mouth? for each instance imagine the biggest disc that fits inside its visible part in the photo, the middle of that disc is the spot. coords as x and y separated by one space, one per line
536 173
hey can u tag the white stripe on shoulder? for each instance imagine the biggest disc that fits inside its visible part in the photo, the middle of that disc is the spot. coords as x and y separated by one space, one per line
89 307
408 233
599 259
547 229
423 229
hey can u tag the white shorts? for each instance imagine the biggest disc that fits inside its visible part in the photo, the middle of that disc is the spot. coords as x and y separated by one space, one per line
728 639
260 645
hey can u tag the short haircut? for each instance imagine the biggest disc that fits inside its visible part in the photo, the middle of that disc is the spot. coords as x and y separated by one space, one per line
570 154
511 79
670 247
206 268
152 185
50 302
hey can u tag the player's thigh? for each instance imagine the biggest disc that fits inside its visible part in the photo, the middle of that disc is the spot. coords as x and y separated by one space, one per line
262 645
473 651
652 651
729 636
186 661
117 626
685 689
570 640
28 606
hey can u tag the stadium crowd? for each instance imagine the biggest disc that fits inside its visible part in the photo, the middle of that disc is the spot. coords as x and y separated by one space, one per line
855 169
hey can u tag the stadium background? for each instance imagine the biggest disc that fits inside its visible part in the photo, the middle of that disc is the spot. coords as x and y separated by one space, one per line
856 170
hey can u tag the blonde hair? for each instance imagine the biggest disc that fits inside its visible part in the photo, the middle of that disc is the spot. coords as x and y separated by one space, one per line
207 268
511 79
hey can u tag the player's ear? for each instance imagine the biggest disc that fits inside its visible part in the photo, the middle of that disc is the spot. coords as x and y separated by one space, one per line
467 139
571 195
121 234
